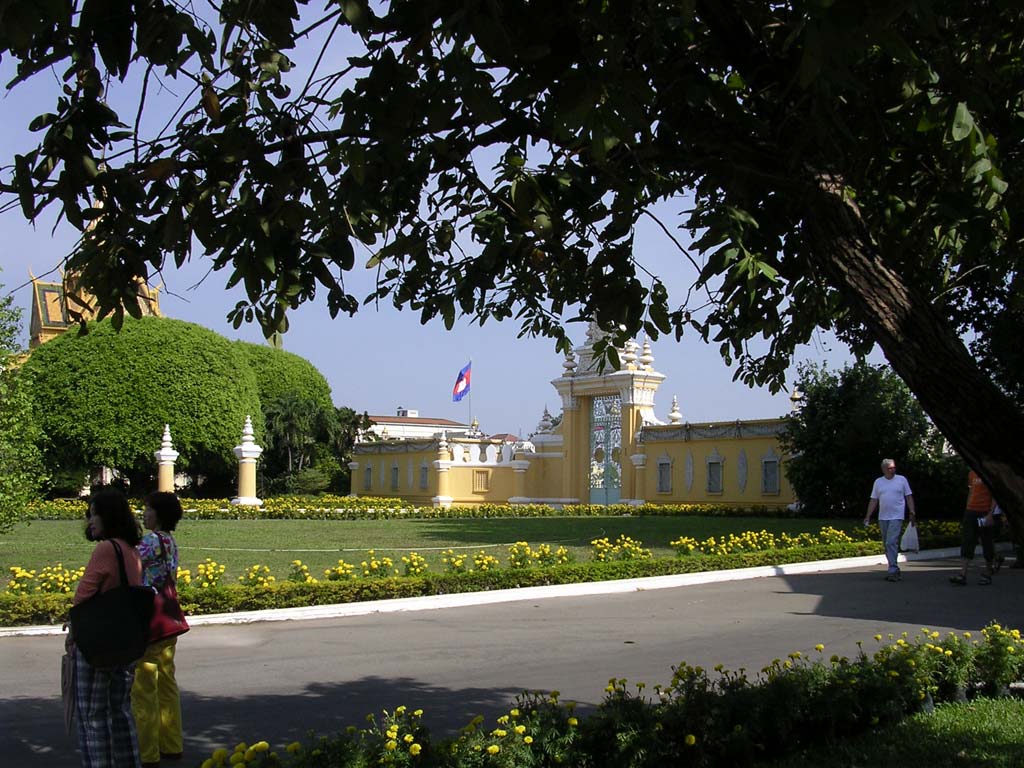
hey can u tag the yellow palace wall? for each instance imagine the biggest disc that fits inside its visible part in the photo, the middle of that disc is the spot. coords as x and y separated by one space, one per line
750 466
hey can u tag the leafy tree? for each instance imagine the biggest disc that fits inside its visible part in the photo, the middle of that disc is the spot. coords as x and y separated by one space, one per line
21 470
847 422
309 445
842 165
280 373
293 422
102 399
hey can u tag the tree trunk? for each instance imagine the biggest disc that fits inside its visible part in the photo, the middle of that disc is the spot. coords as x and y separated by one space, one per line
980 422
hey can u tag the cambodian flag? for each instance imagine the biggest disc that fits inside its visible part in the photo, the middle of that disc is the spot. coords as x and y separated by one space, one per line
461 388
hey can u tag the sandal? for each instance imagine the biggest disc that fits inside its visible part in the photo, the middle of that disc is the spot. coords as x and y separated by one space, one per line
985 580
960 580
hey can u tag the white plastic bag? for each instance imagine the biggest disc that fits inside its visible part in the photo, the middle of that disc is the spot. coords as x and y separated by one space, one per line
909 541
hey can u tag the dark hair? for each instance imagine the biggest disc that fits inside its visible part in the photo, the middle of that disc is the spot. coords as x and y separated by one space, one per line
111 506
167 508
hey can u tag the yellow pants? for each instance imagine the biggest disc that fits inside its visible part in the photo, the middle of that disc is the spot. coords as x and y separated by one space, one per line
155 702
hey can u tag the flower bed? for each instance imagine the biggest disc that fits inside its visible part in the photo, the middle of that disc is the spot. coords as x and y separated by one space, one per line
45 597
329 507
699 719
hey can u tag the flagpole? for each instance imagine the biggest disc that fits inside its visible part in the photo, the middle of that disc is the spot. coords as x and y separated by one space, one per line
471 396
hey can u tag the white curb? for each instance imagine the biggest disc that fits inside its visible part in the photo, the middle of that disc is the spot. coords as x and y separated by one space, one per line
432 602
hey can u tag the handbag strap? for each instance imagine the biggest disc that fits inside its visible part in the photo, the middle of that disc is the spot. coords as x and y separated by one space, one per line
120 563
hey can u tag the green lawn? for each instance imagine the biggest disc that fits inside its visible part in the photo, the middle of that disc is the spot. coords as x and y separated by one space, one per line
985 732
237 544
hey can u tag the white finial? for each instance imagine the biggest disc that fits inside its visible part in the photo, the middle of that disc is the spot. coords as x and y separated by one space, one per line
647 357
629 353
443 445
545 422
247 449
247 433
569 364
166 454
674 415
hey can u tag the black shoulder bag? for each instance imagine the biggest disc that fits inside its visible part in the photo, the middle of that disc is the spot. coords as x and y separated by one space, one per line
112 628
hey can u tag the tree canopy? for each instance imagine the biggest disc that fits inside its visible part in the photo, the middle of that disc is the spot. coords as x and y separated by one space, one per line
102 399
21 469
280 374
846 422
852 166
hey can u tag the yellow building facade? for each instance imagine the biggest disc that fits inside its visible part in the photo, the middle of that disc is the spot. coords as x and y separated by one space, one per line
608 447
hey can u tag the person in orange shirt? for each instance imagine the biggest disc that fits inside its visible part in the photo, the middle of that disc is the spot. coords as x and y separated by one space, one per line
106 727
979 523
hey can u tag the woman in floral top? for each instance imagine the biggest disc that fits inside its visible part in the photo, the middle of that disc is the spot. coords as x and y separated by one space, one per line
155 700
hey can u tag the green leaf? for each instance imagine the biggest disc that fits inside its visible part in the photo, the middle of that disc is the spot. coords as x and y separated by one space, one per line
963 122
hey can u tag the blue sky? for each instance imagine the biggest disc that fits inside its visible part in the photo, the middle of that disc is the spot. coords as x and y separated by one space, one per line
383 358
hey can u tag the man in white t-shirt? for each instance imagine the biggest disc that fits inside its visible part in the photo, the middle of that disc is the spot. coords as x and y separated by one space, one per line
891 496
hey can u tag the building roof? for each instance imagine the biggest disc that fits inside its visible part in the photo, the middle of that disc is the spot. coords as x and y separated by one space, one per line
416 421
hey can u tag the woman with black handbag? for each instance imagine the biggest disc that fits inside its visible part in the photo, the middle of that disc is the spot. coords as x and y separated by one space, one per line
106 728
155 699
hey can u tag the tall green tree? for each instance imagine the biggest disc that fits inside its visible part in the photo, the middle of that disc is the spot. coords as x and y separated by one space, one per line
21 468
102 400
846 165
846 423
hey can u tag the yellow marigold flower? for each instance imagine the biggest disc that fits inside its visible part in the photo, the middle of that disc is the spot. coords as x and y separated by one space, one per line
293 748
690 740
391 745
819 647
493 749
514 712
415 749
400 710
527 739
236 758
208 763
520 729
408 738
220 755
249 754
573 722
417 713
878 638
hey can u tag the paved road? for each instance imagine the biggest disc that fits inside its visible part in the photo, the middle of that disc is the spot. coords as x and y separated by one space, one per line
275 681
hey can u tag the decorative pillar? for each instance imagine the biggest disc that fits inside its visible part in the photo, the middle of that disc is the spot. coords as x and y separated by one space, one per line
247 453
519 467
640 488
165 459
353 470
442 465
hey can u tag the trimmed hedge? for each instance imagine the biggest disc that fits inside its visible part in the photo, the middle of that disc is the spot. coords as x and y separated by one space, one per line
31 609
329 507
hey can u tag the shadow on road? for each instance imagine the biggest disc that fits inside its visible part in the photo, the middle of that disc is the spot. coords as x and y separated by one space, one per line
923 598
28 738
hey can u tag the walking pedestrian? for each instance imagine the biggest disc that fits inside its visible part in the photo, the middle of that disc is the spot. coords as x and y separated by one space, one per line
892 497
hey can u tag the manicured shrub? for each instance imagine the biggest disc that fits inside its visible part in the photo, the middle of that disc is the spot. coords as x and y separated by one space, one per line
701 719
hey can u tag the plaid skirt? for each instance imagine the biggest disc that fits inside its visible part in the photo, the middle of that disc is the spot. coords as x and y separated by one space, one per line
106 728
